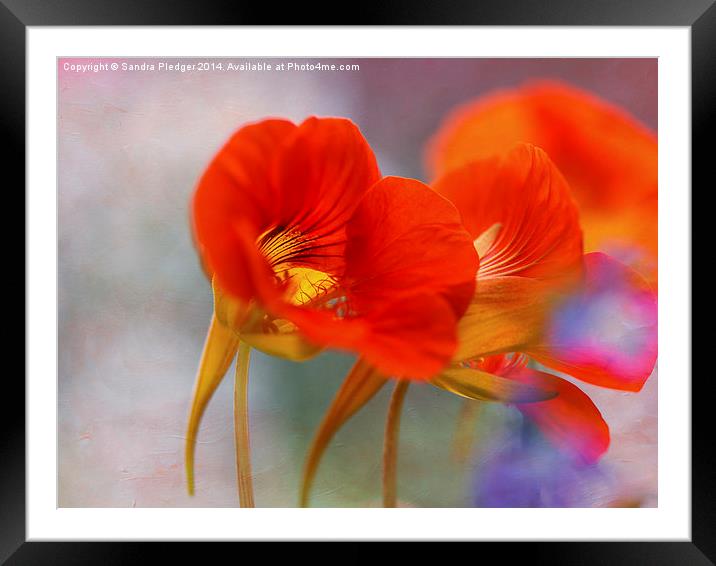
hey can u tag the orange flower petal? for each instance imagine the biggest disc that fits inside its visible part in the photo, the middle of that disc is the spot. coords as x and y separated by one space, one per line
232 205
406 239
522 202
488 126
609 157
413 337
605 333
410 275
320 177
570 419
409 338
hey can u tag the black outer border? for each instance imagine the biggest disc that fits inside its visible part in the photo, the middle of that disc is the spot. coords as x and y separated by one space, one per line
15 15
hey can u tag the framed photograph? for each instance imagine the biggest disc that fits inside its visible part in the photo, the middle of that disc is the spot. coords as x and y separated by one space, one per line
392 282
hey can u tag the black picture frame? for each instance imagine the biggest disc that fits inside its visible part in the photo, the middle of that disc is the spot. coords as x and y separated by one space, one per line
17 15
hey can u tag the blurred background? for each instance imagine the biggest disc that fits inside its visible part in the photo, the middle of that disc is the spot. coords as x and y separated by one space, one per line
134 304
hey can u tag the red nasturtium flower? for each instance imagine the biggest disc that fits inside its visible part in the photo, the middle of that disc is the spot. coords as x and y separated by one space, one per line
309 247
537 296
587 316
607 156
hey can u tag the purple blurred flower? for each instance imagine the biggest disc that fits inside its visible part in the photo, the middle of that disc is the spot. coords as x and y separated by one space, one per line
525 470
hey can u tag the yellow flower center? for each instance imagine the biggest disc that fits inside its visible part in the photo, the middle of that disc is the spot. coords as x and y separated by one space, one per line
287 251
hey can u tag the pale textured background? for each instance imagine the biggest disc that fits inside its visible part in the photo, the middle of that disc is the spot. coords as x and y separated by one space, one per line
134 304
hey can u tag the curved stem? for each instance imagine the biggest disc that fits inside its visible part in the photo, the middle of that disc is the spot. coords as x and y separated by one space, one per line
241 427
390 445
360 386
219 350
